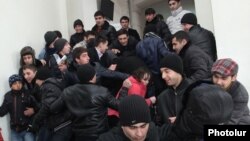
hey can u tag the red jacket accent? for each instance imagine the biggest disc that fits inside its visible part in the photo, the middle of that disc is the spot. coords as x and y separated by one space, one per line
137 88
1 137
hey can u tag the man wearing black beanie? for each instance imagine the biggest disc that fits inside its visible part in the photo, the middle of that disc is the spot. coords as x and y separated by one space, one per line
135 122
199 36
59 61
88 103
79 34
169 102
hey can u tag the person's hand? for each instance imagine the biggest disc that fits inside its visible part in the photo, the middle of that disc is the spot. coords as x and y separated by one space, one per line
127 83
29 112
43 62
172 119
62 67
153 99
115 51
112 67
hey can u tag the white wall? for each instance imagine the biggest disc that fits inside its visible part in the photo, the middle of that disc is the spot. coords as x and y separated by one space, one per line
81 9
231 27
24 23
204 14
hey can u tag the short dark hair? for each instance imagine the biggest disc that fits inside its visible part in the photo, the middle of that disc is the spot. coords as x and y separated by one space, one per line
78 51
89 32
99 13
100 39
174 0
180 35
30 66
121 32
149 11
124 18
139 73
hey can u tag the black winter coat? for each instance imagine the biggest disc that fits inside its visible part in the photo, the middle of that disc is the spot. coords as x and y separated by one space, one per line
76 38
169 102
133 33
89 104
128 50
240 115
162 29
51 90
197 64
15 103
107 30
204 39
117 134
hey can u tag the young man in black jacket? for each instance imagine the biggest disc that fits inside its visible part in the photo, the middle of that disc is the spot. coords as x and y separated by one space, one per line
21 106
89 103
169 102
224 75
46 122
135 122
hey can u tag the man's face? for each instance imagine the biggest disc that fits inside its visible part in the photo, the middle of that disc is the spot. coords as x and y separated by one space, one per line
178 45
136 132
89 38
124 24
99 20
174 5
28 59
66 49
123 39
103 46
83 59
78 28
29 75
17 86
223 82
171 77
186 27
150 17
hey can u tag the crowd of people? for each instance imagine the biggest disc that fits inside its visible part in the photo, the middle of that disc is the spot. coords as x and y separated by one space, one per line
109 85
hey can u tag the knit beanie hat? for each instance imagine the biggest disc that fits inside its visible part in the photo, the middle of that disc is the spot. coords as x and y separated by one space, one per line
173 62
59 44
78 22
85 73
43 73
50 37
13 78
133 109
225 67
189 18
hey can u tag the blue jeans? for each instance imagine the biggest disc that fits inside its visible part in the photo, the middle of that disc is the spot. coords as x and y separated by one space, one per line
22 136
